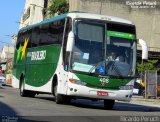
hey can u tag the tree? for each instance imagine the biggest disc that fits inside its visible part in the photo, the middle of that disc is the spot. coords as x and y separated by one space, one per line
148 65
59 7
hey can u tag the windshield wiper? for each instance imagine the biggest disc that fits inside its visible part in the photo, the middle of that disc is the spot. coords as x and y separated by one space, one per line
92 68
111 64
95 67
90 71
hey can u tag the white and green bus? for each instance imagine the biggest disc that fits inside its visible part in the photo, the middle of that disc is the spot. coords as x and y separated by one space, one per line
68 56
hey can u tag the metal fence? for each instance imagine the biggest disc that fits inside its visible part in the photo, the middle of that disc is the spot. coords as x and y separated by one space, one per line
151 84
158 86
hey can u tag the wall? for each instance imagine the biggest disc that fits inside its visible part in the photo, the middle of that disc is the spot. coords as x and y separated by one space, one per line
7 53
33 12
147 20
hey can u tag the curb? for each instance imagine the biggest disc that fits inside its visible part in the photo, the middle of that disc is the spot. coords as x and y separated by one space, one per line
139 100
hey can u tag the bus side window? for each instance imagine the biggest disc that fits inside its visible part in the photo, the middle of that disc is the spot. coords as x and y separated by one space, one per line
52 33
67 29
22 37
35 37
18 40
29 36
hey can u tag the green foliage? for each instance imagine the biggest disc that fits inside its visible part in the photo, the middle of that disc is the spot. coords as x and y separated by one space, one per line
59 7
148 65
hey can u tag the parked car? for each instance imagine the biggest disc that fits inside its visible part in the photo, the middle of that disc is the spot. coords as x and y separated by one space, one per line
2 80
138 88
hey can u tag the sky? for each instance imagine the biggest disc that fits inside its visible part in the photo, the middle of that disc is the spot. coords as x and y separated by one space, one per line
10 13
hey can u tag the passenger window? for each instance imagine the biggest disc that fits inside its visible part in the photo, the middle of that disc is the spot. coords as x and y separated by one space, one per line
51 33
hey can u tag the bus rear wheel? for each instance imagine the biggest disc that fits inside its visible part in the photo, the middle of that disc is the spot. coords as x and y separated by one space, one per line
109 104
23 93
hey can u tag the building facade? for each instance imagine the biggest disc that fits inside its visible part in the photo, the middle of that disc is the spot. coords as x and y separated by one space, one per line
33 12
7 53
144 13
146 16
7 56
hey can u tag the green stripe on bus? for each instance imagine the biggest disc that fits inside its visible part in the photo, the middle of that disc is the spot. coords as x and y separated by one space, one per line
93 81
121 34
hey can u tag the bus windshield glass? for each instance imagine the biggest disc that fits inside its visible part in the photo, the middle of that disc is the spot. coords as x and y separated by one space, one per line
102 49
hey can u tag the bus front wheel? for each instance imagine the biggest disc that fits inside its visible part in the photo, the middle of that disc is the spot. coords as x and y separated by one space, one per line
59 98
109 104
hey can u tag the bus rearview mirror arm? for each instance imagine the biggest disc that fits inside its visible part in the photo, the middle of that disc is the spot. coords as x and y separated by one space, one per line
70 42
144 49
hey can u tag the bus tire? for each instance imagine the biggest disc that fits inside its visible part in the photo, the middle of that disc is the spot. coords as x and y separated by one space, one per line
67 99
59 98
23 93
109 104
31 94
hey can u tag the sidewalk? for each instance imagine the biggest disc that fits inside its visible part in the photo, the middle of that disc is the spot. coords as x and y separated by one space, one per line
139 100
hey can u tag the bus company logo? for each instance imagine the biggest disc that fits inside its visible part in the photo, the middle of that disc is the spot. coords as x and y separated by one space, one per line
9 119
22 50
38 55
104 81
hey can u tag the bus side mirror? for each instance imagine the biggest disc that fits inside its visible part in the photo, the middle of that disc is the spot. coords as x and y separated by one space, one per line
144 49
70 42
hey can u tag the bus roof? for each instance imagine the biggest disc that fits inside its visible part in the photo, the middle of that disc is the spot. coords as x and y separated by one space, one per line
44 22
79 15
100 17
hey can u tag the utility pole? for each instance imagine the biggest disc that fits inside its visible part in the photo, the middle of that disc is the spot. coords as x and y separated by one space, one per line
22 23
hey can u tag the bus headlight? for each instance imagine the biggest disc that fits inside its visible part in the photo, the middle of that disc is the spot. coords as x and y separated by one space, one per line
78 82
127 87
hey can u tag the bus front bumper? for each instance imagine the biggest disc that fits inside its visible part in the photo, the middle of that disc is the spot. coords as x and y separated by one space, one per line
87 92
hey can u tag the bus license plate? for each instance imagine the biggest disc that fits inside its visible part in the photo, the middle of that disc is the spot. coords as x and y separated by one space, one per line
102 93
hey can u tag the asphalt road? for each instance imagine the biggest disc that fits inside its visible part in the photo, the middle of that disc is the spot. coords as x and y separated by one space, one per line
44 107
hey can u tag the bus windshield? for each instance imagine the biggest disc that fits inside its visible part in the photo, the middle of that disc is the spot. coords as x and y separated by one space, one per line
100 49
